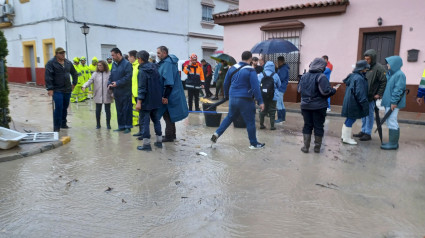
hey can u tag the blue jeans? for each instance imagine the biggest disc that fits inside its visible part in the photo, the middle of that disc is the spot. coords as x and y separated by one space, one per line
246 108
392 119
145 117
349 122
367 121
61 108
279 101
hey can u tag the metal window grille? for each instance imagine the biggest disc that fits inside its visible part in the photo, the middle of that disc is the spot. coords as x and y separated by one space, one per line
207 13
105 50
292 59
162 5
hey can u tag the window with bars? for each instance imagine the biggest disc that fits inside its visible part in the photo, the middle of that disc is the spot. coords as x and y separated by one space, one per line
162 5
207 13
292 59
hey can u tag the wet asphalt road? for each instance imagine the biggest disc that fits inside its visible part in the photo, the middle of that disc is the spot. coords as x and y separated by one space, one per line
345 191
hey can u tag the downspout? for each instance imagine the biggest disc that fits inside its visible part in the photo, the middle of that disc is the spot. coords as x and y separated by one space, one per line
64 15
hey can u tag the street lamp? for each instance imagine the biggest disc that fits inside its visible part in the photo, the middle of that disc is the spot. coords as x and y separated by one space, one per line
85 30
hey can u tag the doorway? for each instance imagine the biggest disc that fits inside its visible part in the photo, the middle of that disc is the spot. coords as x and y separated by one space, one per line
30 58
385 40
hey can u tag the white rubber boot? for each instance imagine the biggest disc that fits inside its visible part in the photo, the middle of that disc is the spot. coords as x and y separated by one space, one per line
346 133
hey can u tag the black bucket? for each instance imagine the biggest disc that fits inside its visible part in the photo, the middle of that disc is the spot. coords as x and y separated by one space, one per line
211 119
239 122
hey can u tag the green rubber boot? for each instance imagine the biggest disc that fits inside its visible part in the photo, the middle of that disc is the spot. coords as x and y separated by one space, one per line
394 136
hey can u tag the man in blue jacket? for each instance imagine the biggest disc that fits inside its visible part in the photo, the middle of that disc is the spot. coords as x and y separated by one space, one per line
121 83
240 84
174 102
283 72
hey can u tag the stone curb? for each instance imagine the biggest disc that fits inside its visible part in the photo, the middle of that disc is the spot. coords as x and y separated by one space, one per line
334 114
41 149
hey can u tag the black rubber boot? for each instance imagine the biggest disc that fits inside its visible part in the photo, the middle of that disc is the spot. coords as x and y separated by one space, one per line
317 143
307 141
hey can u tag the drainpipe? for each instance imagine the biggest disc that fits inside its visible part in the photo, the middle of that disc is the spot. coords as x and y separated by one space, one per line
64 16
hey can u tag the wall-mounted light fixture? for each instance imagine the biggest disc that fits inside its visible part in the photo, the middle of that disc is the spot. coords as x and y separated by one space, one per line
380 21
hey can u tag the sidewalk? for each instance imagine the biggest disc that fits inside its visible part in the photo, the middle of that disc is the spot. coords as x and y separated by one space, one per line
414 118
19 93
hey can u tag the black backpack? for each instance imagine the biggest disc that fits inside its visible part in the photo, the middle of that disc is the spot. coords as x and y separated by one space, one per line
267 87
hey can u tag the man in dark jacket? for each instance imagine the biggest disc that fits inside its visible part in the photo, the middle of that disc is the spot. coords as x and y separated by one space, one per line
314 88
120 81
206 68
58 85
239 89
377 81
149 99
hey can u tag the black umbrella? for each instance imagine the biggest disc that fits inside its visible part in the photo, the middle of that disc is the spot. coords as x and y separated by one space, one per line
407 91
274 46
378 121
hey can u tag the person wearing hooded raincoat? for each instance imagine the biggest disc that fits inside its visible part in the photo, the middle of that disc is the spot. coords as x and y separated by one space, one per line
314 88
270 105
149 100
283 72
355 105
77 94
377 81
174 107
394 99
86 73
92 68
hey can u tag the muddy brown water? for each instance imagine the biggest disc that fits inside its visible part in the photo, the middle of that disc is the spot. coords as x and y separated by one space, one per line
345 191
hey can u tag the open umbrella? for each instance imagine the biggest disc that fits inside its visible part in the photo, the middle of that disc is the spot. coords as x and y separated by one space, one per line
378 121
229 59
407 91
274 46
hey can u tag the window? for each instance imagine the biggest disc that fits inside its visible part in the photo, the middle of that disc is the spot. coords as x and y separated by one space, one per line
162 5
207 12
105 50
48 49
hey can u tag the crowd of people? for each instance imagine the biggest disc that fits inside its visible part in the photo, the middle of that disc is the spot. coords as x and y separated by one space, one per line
145 90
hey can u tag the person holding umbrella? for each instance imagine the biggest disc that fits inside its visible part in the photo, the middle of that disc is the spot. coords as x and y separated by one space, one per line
394 99
355 105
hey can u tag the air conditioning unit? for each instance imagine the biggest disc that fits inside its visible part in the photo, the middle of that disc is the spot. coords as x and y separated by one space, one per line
7 9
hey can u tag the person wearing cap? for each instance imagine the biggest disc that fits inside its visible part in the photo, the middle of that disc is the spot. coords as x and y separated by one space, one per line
109 60
376 81
58 84
206 67
194 81
149 100
120 82
77 94
355 104
394 99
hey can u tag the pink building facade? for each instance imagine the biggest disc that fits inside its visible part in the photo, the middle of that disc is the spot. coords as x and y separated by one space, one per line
341 29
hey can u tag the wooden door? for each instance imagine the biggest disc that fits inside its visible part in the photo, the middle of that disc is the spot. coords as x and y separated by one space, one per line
382 42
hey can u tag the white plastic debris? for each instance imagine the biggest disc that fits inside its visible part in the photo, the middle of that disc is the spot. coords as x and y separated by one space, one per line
201 153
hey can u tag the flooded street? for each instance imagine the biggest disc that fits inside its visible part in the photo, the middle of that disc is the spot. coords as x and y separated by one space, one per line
100 185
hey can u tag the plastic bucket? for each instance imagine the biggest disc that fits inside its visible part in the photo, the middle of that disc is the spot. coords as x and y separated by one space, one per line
239 122
211 119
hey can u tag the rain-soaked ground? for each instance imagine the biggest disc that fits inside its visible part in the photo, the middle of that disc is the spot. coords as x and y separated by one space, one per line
100 185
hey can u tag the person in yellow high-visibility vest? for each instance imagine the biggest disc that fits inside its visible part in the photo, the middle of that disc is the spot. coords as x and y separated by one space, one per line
86 72
77 93
92 68
134 89
109 60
